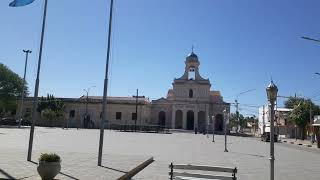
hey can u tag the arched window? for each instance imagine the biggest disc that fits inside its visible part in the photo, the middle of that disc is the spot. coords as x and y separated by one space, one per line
191 73
190 93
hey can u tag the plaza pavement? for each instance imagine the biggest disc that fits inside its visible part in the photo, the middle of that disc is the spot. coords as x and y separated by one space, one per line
124 150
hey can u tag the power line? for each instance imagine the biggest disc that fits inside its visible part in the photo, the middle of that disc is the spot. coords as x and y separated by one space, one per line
248 105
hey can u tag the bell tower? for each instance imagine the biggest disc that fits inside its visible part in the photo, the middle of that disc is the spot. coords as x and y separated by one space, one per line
191 71
191 86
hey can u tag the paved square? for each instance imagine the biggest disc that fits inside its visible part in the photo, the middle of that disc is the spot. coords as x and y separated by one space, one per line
123 151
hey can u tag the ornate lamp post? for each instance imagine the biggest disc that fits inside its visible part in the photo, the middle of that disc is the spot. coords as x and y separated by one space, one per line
272 91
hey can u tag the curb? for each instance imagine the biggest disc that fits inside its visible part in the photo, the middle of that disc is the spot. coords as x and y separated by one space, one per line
299 144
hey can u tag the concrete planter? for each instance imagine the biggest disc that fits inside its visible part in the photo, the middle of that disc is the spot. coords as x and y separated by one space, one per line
48 170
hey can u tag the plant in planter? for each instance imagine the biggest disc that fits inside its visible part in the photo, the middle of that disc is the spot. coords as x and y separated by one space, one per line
49 165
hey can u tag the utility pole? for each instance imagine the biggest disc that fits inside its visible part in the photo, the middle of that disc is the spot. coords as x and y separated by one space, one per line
136 118
311 136
237 106
263 121
86 115
135 121
237 112
87 101
24 83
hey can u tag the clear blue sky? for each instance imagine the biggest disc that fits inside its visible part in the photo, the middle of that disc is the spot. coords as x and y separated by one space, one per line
240 43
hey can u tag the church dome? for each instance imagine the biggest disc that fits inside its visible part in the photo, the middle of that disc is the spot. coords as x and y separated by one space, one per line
192 57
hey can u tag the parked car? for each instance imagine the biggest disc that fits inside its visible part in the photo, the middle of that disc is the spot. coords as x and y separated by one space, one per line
8 121
14 122
266 137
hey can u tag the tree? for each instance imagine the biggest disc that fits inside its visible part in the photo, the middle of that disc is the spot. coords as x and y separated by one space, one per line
11 86
300 114
250 119
293 101
50 107
233 122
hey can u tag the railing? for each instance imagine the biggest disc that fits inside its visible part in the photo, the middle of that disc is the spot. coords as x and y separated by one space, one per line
140 128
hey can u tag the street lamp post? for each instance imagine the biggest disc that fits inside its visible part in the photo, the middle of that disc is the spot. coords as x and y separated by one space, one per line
225 130
310 39
311 122
208 126
272 91
237 106
213 128
317 73
87 100
24 83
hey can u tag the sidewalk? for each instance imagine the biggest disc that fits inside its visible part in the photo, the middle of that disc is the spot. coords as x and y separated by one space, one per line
123 151
299 142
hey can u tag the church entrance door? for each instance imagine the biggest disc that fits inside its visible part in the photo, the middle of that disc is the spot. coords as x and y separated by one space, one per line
86 121
178 122
162 118
202 121
190 120
218 122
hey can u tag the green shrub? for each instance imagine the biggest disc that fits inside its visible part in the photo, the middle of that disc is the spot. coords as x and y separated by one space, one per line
52 157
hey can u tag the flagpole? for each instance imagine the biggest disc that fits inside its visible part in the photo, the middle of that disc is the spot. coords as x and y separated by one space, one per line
35 98
105 90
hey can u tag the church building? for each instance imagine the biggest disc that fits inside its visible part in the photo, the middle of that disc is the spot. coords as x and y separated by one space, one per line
189 105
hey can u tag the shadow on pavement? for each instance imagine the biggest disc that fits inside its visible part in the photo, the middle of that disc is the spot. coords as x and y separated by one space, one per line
114 169
33 162
69 176
6 174
256 155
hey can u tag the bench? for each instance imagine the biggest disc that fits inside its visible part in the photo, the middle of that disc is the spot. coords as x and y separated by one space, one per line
174 175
